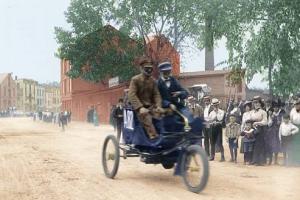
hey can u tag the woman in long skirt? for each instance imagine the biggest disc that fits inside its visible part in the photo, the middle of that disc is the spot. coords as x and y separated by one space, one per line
294 158
272 135
259 116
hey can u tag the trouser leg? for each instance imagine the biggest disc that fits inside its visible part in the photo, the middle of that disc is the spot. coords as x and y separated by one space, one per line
213 140
231 153
270 155
276 159
146 121
220 143
119 130
235 154
206 140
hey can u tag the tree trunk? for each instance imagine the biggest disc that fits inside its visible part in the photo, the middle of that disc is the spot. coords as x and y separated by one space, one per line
270 68
209 45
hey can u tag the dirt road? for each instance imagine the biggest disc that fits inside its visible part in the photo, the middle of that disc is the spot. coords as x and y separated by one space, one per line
38 161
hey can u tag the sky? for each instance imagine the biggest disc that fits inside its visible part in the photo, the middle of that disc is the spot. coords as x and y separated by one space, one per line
27 41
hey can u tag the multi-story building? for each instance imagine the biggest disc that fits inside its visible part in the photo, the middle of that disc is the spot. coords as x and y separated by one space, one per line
8 91
52 97
40 97
26 100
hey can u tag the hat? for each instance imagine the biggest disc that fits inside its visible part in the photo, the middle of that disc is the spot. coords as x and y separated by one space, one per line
207 97
190 98
257 98
145 60
215 101
232 115
247 103
165 66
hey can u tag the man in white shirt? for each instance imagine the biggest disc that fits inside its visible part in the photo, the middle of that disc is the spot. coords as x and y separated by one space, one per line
217 122
207 130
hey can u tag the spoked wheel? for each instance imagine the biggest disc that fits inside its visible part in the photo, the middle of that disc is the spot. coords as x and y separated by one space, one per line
195 169
110 156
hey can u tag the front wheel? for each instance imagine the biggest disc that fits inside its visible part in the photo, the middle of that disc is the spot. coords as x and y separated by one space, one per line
110 156
195 168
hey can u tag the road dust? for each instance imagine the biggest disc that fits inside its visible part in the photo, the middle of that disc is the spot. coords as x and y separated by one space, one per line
38 161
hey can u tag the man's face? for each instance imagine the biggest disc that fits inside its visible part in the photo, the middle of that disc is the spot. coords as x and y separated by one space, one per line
232 119
297 106
147 69
166 74
257 105
216 107
286 120
207 102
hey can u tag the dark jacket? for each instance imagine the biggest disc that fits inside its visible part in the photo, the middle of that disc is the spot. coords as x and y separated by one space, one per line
166 93
118 114
143 92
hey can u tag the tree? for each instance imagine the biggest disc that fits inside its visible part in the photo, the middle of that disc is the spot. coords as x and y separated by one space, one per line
275 44
172 19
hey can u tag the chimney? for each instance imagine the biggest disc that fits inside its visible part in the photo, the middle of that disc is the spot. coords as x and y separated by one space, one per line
16 78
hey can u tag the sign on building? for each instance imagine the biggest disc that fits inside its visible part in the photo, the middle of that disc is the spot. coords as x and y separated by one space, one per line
113 82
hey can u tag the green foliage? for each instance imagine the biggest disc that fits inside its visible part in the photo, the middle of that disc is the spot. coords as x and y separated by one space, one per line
274 44
172 18
103 54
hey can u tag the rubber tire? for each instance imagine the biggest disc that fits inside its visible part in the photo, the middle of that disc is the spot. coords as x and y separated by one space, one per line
198 150
114 171
167 165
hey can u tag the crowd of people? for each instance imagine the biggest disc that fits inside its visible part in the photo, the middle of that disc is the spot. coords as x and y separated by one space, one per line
262 129
61 118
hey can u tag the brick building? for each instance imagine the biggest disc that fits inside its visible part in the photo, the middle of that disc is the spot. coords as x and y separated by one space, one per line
78 96
218 83
8 91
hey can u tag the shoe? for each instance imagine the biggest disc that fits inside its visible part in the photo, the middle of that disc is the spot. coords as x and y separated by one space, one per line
211 159
222 159
231 160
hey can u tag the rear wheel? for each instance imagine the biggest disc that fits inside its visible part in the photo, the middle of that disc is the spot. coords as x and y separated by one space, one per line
110 156
195 168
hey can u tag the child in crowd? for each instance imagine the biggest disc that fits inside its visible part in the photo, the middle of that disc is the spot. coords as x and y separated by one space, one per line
232 133
286 132
249 141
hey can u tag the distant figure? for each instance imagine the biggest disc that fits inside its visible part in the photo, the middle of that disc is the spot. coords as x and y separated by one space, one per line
62 120
118 115
232 133
286 132
112 119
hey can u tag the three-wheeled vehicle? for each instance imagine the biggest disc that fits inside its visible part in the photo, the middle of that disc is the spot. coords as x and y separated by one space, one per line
178 146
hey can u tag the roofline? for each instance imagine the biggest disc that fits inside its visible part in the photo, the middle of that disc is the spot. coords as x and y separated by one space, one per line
203 73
